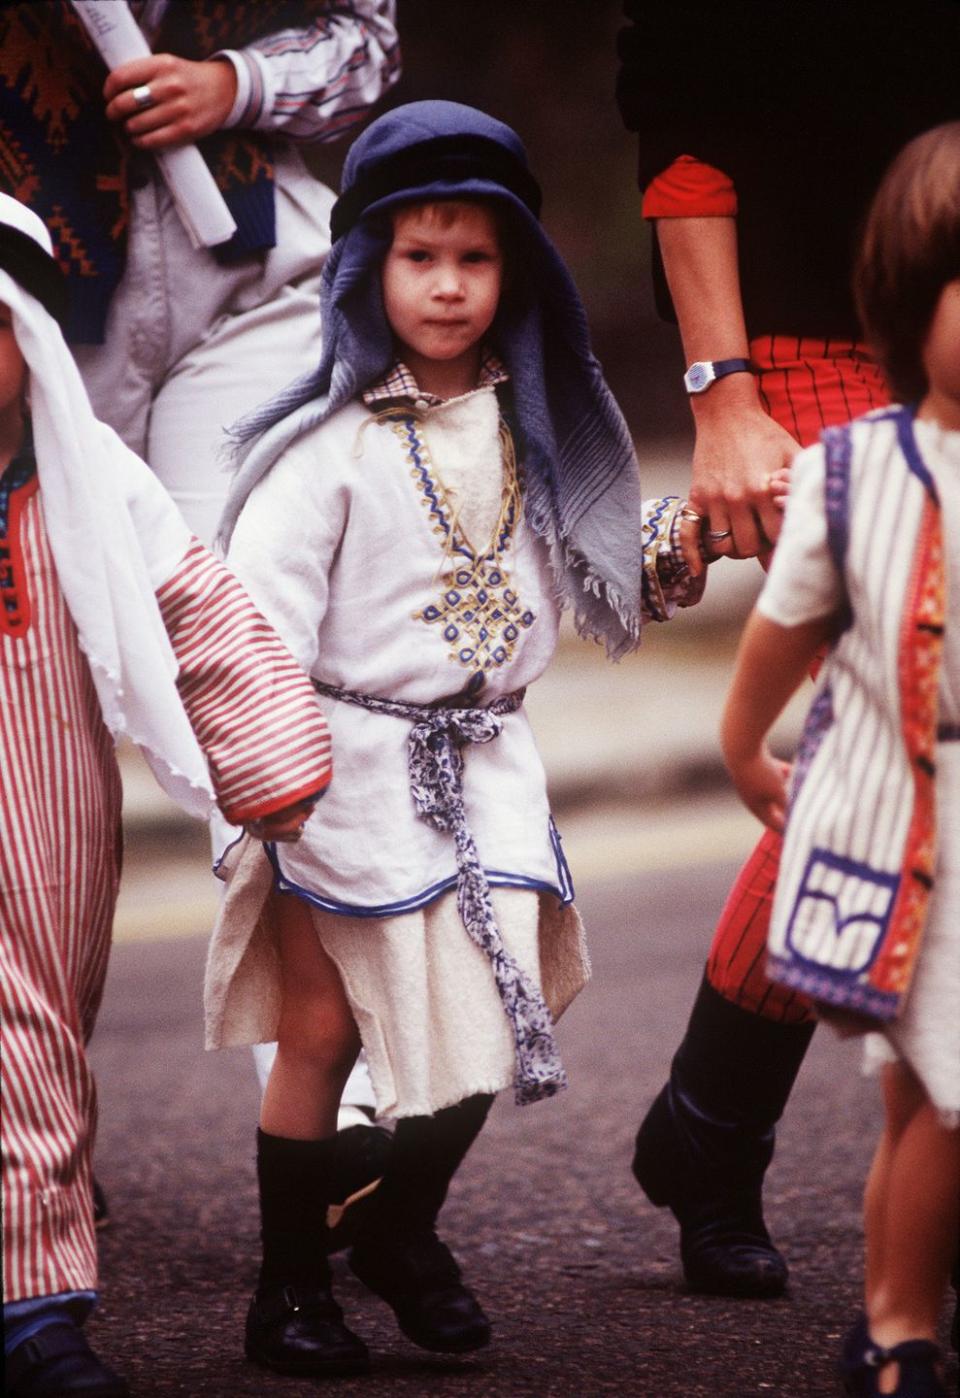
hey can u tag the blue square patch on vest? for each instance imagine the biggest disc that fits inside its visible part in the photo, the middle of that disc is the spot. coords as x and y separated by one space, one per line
841 913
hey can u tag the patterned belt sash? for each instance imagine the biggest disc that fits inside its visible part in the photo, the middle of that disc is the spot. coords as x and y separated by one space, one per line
435 765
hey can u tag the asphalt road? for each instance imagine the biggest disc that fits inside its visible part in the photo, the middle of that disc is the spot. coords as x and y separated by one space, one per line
578 1273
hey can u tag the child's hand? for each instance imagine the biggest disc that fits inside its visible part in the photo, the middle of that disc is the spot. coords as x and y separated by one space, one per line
285 826
761 781
778 486
692 541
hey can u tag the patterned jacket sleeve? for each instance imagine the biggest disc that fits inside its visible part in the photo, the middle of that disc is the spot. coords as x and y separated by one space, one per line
315 82
253 710
667 581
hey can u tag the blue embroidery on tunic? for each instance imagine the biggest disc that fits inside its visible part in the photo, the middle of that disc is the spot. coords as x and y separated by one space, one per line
479 614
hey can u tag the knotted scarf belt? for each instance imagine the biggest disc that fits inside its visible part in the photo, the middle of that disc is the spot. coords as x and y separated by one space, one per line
435 765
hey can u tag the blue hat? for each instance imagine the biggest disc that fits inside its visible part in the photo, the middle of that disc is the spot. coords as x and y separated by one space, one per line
581 483
433 150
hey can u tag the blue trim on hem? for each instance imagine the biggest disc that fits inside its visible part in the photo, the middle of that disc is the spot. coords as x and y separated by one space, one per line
563 890
224 852
819 985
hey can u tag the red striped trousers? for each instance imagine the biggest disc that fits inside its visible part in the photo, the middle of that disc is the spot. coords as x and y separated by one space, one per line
59 858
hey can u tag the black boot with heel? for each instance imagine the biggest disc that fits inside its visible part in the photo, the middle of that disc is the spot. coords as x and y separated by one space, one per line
704 1146
398 1254
294 1325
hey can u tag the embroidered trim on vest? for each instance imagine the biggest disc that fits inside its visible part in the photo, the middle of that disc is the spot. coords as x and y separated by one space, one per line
838 446
921 646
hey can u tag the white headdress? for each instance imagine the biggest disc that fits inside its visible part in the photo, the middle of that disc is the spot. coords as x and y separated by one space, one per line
114 533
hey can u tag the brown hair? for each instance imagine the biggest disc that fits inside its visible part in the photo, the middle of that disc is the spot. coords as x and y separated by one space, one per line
446 212
909 252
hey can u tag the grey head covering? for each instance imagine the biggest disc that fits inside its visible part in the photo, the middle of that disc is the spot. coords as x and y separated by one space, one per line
582 488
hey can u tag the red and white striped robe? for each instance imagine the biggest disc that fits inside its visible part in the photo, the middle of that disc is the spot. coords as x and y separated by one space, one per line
258 721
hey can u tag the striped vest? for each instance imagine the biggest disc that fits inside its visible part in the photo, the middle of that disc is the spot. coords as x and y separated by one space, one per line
61 156
859 851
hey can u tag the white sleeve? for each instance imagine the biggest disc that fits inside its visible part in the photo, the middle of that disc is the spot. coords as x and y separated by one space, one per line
285 543
803 583
315 82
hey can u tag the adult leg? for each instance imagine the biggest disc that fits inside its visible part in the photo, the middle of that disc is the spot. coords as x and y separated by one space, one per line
294 1325
706 1142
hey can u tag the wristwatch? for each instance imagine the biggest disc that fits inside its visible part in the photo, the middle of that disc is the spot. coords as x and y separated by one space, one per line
704 372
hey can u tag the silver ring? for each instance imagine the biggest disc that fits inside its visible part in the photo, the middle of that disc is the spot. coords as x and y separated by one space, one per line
718 534
142 95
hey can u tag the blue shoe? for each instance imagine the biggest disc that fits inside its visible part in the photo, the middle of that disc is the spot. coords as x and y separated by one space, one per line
57 1362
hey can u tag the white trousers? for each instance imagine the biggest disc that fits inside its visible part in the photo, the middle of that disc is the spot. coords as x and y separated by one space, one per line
193 345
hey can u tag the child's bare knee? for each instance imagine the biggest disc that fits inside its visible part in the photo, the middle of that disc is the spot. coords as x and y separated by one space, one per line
319 1031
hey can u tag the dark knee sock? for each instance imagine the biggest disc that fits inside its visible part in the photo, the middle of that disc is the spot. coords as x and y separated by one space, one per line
297 1183
427 1152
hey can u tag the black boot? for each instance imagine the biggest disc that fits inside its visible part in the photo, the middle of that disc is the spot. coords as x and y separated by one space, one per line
363 1152
705 1144
398 1254
294 1326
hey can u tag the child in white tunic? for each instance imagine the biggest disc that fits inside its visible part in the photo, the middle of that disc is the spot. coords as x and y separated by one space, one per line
869 558
412 527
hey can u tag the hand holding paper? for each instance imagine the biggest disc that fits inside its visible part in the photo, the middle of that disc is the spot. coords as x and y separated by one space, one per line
121 43
187 100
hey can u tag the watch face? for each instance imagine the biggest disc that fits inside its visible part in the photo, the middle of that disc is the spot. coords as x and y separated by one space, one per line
698 376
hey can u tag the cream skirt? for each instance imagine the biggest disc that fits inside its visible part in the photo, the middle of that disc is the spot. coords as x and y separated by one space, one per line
423 995
424 998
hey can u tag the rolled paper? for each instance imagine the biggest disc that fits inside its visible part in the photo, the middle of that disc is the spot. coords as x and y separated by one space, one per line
199 203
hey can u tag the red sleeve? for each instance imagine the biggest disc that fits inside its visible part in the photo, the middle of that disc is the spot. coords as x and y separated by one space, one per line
254 711
690 189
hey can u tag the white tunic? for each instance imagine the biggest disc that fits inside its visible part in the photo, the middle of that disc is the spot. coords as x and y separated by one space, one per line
352 548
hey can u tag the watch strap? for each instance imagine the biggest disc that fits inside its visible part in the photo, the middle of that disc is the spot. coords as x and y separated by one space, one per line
704 372
722 367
